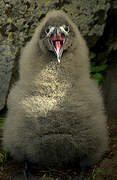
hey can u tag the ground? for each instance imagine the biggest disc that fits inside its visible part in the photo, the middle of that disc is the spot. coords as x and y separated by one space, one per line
104 170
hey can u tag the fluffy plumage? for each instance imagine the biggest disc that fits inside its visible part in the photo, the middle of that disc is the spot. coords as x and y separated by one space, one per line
56 114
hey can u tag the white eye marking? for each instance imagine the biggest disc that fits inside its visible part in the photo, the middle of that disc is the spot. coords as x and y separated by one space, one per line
64 29
49 30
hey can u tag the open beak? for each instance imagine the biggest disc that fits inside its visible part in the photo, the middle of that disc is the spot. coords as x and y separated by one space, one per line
57 40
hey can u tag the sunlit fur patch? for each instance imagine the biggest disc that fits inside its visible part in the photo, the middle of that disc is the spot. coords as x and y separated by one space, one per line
51 93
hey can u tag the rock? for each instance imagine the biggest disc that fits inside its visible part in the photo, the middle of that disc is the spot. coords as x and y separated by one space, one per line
6 65
110 91
90 17
113 7
18 19
21 18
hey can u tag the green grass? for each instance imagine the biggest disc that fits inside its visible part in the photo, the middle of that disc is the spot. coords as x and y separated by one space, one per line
3 156
96 68
114 164
1 124
98 171
114 138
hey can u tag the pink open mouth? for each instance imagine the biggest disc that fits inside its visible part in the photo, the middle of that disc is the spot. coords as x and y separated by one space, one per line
57 41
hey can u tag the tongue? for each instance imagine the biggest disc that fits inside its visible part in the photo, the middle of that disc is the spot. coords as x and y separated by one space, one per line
58 48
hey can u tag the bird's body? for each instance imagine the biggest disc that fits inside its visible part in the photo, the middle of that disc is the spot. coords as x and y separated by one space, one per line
56 115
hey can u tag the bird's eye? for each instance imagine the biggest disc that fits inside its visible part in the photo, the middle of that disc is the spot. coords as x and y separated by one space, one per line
66 28
47 30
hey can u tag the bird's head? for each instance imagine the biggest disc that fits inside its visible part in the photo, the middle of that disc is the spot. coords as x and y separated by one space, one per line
56 37
57 34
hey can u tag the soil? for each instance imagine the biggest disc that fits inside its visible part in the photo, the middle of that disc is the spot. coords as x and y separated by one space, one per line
104 170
